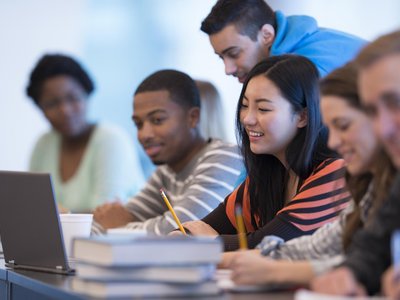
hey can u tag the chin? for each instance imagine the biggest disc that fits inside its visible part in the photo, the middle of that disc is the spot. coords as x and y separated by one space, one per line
355 170
396 161
158 162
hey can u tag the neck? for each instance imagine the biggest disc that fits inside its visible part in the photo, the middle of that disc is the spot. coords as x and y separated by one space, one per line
195 147
79 139
282 158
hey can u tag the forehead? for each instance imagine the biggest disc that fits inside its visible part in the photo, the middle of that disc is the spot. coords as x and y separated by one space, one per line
261 87
60 83
146 102
380 78
335 107
228 37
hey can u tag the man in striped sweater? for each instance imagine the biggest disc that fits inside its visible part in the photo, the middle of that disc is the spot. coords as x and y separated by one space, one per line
195 173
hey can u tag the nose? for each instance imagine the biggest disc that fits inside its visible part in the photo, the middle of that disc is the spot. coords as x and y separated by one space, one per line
65 108
248 118
146 132
230 67
334 140
385 124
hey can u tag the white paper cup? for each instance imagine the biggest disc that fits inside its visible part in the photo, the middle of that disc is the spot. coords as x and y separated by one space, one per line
74 225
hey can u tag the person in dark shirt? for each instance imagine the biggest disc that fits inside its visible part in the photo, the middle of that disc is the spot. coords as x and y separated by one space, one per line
295 184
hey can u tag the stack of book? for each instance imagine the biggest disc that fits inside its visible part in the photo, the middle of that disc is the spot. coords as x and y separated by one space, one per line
146 266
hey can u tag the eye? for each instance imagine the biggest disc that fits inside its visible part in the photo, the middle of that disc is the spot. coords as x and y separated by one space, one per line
244 106
370 111
264 109
158 120
138 124
73 98
392 102
342 125
233 54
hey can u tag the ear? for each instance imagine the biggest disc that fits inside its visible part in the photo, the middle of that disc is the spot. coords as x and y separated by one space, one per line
267 35
194 116
302 119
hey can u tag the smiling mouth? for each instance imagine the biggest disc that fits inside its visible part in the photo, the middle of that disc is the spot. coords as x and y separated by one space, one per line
347 156
242 79
152 150
255 134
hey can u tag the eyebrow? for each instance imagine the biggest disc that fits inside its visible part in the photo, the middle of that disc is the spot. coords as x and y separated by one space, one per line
337 120
226 50
153 112
259 99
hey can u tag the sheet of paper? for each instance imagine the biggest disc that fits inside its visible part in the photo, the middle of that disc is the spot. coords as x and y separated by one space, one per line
224 282
310 295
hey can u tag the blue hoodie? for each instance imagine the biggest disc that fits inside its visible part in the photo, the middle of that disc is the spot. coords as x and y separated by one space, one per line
328 49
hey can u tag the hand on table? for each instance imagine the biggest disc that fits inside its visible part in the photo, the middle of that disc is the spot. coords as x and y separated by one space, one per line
112 215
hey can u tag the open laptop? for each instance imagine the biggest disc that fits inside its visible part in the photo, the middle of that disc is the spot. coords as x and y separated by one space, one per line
30 228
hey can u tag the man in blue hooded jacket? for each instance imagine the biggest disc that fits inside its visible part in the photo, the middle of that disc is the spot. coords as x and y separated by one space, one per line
244 32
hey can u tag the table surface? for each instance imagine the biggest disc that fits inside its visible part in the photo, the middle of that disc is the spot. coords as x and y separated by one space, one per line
59 286
3 271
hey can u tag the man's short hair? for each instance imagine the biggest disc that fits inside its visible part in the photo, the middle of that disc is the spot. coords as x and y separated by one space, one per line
248 16
181 87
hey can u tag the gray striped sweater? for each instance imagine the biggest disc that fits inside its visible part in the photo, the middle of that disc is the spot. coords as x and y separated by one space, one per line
193 192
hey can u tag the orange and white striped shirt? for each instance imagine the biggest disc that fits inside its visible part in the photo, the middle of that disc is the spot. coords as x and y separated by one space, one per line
320 198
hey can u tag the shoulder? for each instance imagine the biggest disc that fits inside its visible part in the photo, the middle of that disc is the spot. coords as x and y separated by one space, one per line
218 148
329 165
48 139
329 171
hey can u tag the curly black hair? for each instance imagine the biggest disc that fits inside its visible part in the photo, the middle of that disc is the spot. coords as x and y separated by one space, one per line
52 65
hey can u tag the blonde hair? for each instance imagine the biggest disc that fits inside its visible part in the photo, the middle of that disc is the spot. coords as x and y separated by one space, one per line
211 123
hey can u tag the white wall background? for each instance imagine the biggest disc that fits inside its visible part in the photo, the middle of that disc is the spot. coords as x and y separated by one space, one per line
122 41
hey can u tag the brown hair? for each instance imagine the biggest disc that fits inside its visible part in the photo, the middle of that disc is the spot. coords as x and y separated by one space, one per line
385 45
343 83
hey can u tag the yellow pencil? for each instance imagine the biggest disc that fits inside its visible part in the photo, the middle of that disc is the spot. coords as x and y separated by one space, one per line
172 211
240 228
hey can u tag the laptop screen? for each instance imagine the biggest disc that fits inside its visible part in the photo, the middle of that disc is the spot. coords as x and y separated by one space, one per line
29 224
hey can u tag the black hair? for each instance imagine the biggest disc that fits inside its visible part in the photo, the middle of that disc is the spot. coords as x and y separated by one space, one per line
181 87
248 16
52 65
296 77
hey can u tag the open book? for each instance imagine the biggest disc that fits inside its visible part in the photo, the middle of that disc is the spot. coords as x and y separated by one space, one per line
310 295
224 282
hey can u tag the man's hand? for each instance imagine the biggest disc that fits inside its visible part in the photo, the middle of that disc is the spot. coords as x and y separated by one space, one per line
112 215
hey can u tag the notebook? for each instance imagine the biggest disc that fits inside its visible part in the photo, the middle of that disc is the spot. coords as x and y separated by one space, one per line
30 228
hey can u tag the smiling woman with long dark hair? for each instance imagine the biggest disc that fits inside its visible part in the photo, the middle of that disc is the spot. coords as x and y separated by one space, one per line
295 184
